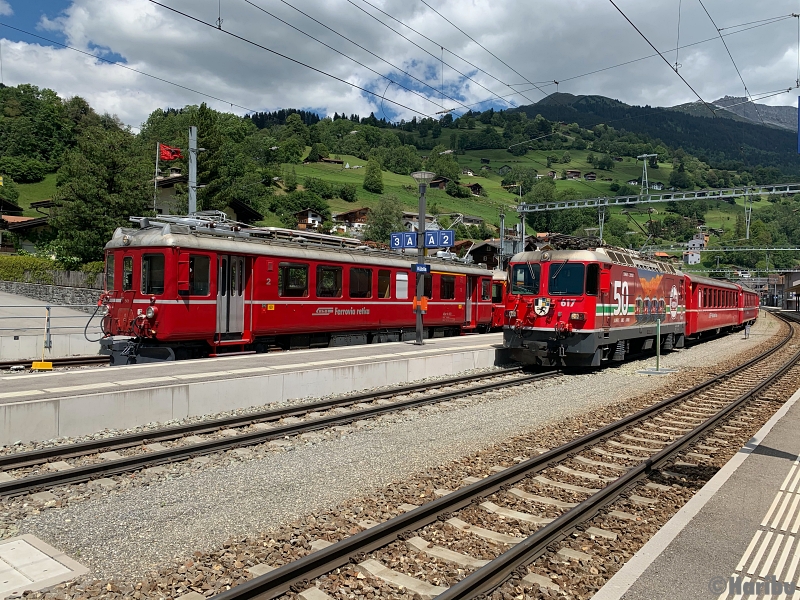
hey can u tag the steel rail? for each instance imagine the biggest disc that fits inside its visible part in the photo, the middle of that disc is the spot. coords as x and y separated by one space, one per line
36 457
127 464
294 576
496 572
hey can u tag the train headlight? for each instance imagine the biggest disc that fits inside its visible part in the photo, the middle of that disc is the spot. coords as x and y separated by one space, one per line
151 312
576 316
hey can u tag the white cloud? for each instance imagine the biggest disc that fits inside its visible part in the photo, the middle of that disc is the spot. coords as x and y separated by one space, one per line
544 41
5 9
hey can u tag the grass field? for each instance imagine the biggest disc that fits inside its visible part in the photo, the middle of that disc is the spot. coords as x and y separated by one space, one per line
31 192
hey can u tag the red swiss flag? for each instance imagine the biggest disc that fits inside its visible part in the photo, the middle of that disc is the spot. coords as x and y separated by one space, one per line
169 153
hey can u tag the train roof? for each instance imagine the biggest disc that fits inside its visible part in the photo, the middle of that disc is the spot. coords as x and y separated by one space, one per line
709 281
223 236
603 254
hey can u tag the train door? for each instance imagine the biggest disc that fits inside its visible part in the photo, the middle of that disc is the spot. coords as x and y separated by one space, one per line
470 305
605 298
128 290
230 294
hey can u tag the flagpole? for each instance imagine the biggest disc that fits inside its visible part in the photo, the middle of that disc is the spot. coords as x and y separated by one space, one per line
155 178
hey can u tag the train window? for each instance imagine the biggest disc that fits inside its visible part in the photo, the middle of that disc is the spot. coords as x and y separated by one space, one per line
153 274
447 287
592 279
525 279
497 293
329 282
127 273
199 275
109 272
401 286
427 288
222 284
360 283
566 279
234 276
384 283
293 280
486 288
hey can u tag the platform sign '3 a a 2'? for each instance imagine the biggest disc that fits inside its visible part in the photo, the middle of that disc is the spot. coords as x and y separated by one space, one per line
621 297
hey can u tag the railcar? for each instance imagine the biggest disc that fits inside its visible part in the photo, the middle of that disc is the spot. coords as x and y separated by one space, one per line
578 304
712 306
748 305
187 287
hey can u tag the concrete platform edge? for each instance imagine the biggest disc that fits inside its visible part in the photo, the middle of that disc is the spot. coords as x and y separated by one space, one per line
621 582
38 420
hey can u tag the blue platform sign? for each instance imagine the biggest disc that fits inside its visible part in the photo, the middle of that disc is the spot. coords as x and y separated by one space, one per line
417 268
402 240
440 238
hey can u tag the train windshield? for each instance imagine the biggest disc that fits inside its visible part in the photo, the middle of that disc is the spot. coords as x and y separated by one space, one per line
566 279
525 279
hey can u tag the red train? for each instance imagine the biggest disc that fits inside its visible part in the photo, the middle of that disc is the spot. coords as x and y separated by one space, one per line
182 287
576 303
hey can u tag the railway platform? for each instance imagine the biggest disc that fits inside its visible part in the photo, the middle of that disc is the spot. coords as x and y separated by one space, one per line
40 406
737 537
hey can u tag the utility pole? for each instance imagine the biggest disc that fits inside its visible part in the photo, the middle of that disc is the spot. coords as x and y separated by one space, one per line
645 183
501 255
423 178
192 170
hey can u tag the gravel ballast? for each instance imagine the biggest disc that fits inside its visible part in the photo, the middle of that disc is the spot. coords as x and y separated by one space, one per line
195 507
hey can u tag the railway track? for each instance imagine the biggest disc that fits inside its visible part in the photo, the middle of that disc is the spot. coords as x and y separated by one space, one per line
547 498
36 470
68 361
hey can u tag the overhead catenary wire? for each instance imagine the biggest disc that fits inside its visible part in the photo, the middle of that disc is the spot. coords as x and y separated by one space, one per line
484 47
735 66
662 56
368 68
284 56
406 73
464 75
649 56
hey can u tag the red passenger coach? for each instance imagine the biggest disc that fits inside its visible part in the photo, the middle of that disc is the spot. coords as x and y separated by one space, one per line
711 305
183 287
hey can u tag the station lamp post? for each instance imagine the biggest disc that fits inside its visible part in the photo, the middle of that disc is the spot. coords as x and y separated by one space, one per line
423 178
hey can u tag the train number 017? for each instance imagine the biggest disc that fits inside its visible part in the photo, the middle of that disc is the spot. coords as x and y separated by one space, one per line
621 297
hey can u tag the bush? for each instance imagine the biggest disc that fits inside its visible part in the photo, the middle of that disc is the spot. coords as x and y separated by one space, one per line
457 191
23 170
348 192
318 186
14 268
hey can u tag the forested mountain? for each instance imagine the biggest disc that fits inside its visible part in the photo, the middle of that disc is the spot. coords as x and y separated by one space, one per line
721 142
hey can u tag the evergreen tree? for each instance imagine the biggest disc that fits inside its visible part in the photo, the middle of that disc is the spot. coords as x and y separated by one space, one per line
373 178
290 179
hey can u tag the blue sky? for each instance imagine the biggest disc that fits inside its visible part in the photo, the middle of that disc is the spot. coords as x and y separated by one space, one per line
27 14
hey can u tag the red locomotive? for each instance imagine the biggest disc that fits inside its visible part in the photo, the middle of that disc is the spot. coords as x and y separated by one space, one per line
577 303
185 287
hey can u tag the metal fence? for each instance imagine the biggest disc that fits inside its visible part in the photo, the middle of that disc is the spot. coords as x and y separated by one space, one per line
49 321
